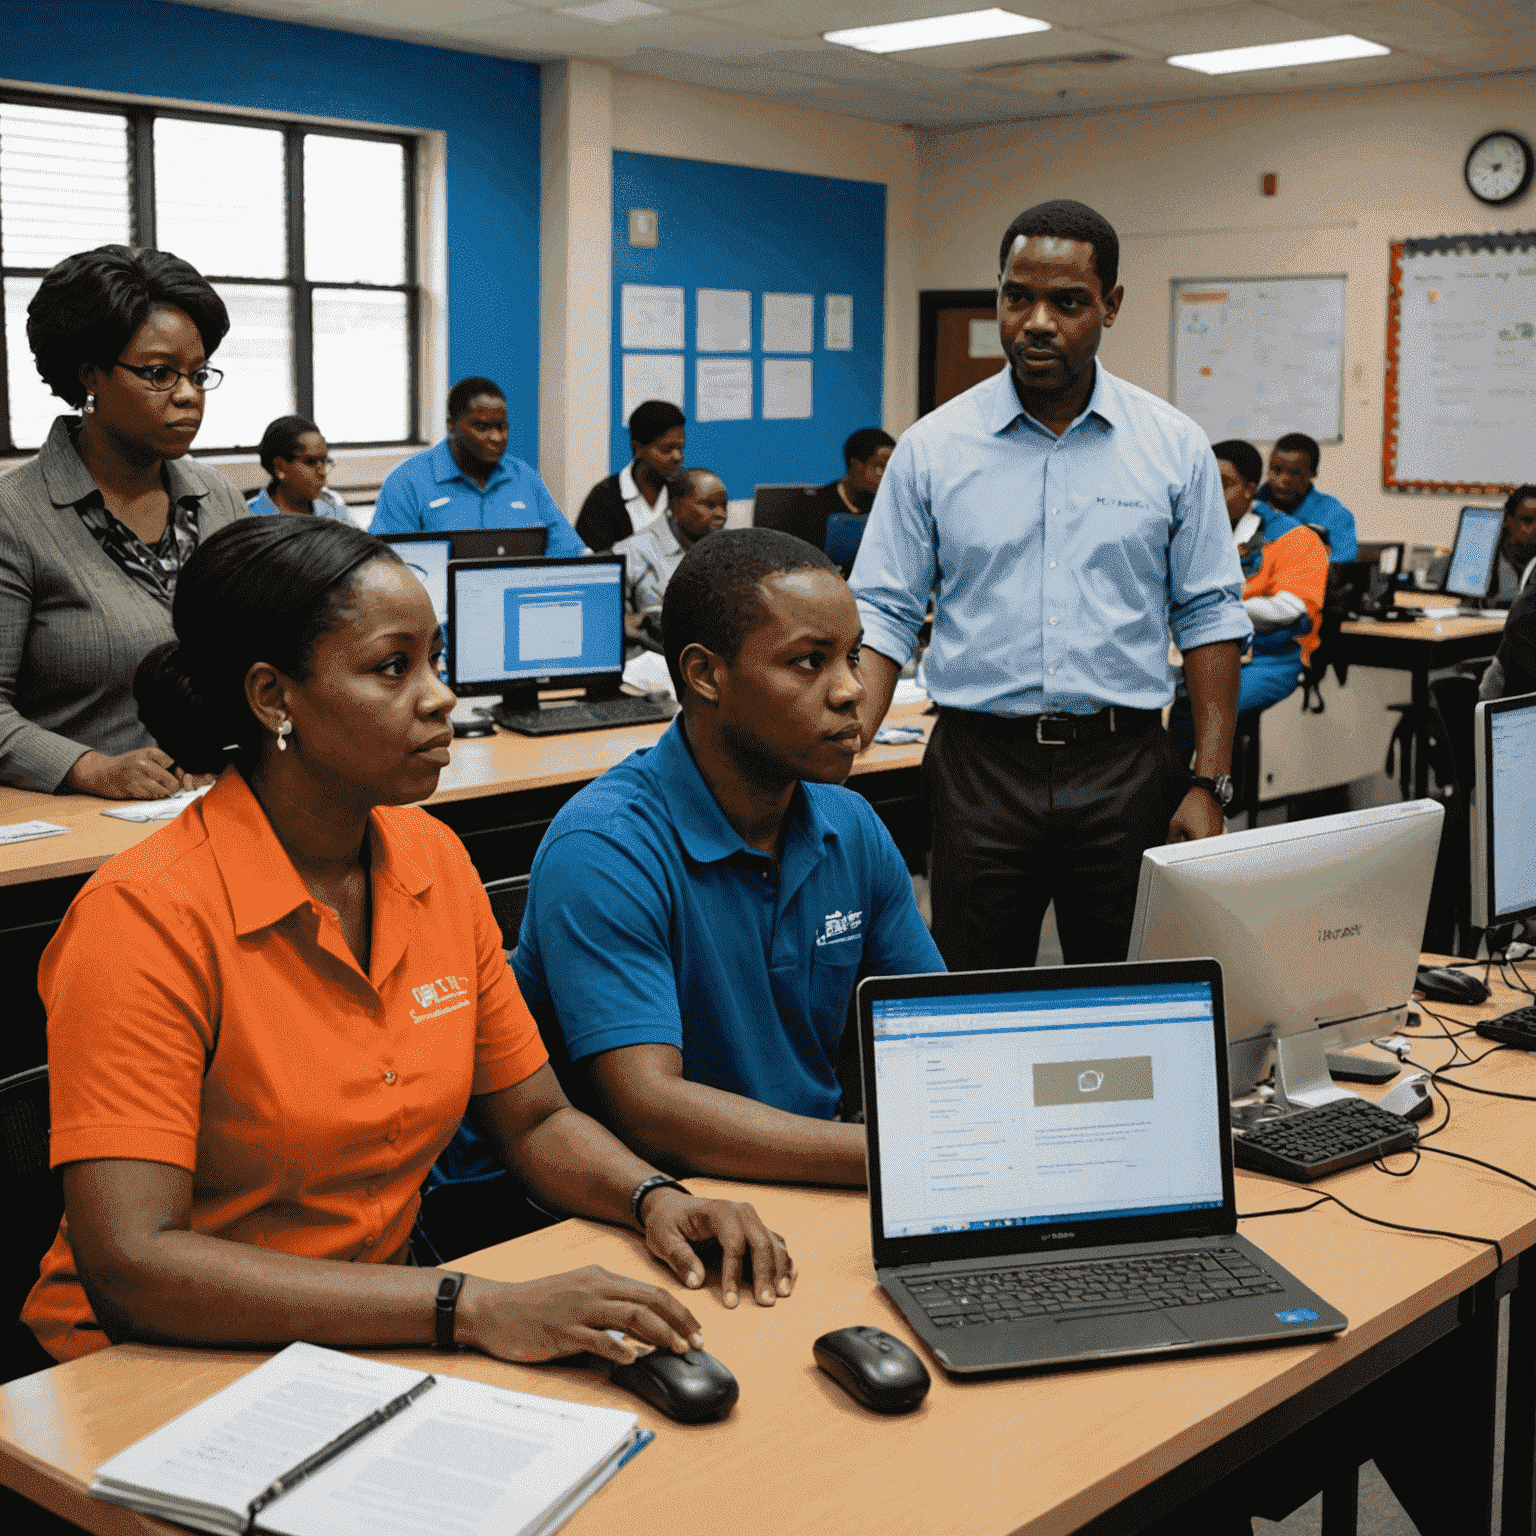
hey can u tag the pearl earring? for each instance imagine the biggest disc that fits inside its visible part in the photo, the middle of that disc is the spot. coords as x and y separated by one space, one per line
90 404
284 731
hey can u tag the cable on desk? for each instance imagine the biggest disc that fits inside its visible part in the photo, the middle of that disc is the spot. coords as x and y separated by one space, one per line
1381 1221
1491 1167
1519 984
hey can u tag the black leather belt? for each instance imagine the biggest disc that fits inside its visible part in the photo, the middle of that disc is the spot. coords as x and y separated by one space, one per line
1058 730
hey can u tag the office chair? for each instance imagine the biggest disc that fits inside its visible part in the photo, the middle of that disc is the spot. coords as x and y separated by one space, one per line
1245 766
35 1197
1448 927
509 900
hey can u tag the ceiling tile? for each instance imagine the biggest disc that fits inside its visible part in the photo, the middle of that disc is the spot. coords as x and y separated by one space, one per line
810 18
1222 26
1417 26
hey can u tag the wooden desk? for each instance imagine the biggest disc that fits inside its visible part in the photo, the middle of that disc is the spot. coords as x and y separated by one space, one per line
1098 1450
1419 648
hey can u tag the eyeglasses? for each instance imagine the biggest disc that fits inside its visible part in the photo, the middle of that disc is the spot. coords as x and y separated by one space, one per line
161 376
314 462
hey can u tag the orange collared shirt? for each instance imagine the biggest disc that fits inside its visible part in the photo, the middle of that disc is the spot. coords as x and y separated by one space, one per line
204 1011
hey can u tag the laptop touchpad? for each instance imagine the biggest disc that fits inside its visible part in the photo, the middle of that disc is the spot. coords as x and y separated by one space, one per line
1111 1335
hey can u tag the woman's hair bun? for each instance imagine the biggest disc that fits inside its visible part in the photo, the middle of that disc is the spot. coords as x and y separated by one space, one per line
183 723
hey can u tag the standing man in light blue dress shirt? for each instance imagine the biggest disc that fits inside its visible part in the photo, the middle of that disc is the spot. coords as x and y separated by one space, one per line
470 480
1061 520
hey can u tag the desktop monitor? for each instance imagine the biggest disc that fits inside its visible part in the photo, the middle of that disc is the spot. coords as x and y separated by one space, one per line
1317 925
1504 811
499 543
1474 552
522 625
426 556
786 508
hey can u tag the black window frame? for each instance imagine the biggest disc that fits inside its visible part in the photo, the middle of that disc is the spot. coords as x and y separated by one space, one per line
141 119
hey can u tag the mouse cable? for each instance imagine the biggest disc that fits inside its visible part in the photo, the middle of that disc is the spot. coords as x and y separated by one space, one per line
1519 984
1491 1093
1491 1167
1381 1221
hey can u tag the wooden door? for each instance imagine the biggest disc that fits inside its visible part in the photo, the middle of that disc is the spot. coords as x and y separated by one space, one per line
958 343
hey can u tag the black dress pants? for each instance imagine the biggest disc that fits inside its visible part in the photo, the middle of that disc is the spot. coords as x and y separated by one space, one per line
1018 824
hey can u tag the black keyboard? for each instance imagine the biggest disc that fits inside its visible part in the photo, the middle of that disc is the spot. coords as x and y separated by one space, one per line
592 715
1312 1143
1515 1028
1100 1288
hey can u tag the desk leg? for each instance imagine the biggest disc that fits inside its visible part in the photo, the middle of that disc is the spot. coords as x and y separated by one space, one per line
1450 1493
1420 736
1519 1501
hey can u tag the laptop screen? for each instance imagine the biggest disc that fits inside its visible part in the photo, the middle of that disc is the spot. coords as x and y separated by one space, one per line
1047 1107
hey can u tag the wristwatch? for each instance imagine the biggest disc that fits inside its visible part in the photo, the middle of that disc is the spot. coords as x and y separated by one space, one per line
1219 788
644 1187
447 1305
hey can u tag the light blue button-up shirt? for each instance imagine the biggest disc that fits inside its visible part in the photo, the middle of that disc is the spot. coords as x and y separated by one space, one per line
1057 565
430 493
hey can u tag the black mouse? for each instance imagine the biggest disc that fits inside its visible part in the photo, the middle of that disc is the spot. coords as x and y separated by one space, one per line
873 1368
692 1388
1441 985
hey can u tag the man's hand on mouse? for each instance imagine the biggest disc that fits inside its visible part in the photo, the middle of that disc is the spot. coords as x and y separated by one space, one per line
675 1220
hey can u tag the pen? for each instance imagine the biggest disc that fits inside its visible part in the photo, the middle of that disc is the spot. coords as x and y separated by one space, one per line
348 1437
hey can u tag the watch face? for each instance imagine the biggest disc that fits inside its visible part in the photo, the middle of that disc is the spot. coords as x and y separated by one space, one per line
1499 168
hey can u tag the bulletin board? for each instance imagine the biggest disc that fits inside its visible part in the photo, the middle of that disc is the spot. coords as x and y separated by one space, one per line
1461 364
1257 357
760 310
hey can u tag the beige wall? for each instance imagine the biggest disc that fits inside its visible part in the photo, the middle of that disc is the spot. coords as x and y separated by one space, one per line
1357 170
657 117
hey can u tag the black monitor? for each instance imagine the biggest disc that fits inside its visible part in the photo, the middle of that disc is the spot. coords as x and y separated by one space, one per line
519 626
1504 811
786 508
1473 555
499 543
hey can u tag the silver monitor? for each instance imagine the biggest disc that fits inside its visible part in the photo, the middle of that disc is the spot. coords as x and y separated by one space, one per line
1474 552
1317 925
1504 811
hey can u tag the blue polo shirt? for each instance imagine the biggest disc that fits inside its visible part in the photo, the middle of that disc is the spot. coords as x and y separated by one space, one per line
1330 513
650 921
431 494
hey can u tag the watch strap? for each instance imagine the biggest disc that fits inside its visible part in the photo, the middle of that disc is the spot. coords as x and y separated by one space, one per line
447 1306
1218 788
644 1187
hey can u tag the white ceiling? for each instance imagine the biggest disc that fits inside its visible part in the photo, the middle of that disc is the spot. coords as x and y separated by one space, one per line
773 48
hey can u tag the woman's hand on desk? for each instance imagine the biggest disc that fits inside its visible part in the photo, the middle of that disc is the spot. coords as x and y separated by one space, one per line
571 1313
146 774
676 1220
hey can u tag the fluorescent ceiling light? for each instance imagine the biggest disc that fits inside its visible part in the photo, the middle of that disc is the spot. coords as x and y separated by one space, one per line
612 10
1310 50
936 31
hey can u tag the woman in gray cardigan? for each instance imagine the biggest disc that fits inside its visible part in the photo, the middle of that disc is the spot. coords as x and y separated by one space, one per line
95 529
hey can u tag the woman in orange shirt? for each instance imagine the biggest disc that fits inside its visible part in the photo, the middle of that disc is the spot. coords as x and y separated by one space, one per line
267 1019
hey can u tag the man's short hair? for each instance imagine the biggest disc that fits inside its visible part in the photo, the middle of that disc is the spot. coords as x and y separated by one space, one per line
713 599
1243 457
1066 220
1519 494
1299 442
682 483
471 389
649 420
865 443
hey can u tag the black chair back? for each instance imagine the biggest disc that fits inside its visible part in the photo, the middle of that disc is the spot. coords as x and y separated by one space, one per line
509 900
35 1202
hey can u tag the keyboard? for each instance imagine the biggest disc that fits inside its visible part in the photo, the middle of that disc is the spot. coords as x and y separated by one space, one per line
592 715
1100 1288
1312 1143
1515 1028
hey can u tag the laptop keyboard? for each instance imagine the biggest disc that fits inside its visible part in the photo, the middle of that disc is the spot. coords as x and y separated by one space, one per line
1098 1288
594 715
1311 1143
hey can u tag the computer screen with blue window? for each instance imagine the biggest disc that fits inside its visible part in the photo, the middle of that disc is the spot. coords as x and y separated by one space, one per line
520 624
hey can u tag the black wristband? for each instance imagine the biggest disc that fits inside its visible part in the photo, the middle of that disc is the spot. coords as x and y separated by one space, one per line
645 1186
447 1306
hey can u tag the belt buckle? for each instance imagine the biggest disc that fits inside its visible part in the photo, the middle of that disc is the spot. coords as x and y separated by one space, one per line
1045 741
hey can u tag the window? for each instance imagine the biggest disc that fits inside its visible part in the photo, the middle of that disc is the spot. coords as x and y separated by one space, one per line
307 235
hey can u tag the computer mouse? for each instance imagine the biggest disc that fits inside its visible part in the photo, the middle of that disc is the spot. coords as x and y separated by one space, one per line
1411 1098
692 1388
1442 985
873 1368
478 726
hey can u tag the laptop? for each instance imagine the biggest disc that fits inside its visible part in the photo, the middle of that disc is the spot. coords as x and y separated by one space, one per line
1050 1168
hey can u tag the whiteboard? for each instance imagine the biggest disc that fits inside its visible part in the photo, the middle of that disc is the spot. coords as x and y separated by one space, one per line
1257 357
1461 377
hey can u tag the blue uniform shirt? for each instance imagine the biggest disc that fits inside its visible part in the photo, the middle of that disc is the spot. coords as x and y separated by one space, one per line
650 921
325 505
431 494
1330 513
1056 565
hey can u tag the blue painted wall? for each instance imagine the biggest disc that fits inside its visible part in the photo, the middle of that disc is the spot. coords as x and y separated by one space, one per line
727 226
489 109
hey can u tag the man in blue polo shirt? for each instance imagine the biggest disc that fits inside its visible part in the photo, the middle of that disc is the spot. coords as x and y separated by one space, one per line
699 917
1293 463
470 480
